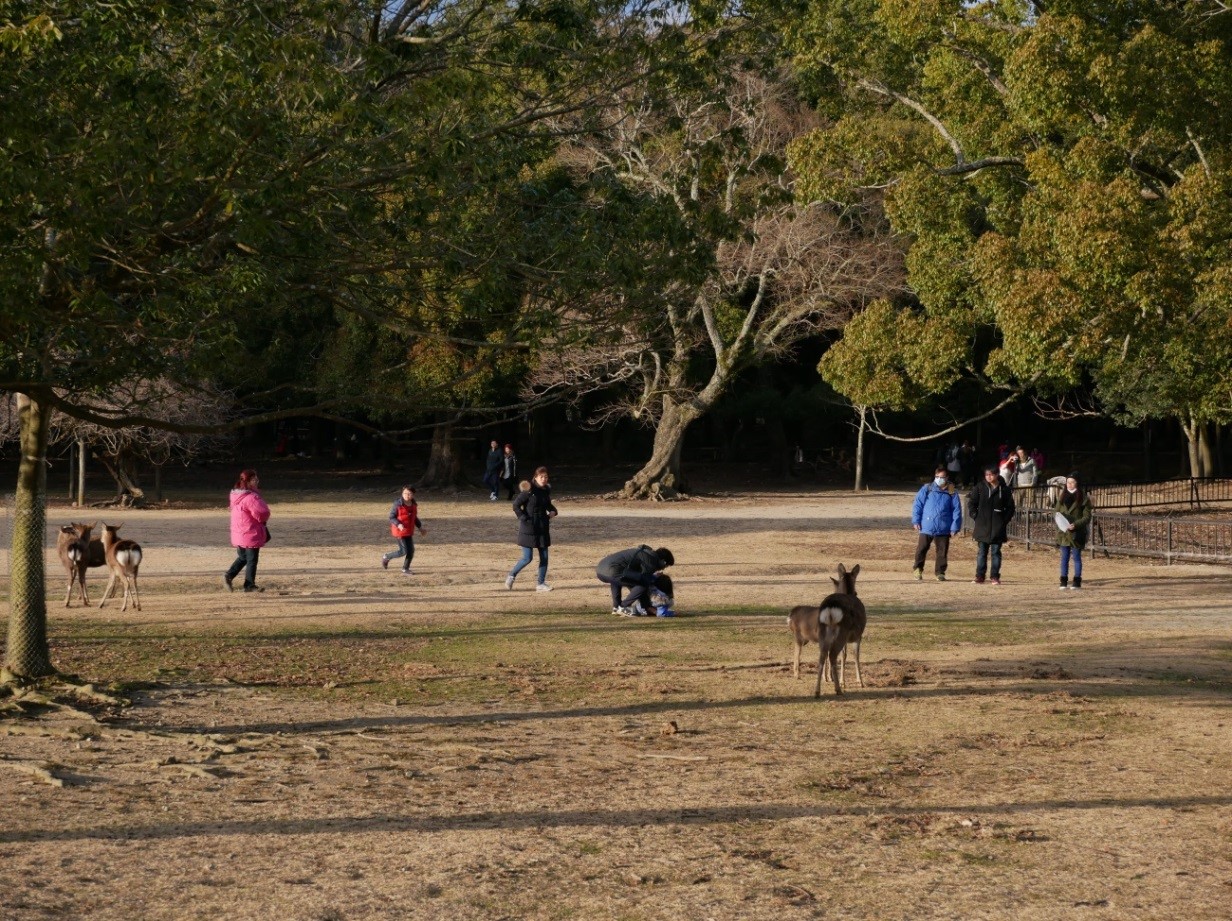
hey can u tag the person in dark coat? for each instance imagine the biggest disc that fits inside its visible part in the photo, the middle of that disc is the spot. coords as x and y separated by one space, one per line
636 569
492 469
535 512
1075 508
991 506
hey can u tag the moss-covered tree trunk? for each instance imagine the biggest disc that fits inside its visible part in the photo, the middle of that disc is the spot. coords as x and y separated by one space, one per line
28 654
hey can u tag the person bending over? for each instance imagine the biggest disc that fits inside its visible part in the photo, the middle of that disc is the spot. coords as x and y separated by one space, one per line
634 569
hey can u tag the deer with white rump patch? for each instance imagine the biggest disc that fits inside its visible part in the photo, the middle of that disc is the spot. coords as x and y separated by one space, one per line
73 547
834 624
123 559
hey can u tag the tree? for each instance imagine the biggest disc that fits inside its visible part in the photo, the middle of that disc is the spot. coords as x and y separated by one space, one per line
1061 171
212 191
758 271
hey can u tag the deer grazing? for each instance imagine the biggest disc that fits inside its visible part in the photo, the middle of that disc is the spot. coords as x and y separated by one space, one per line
834 624
73 547
123 559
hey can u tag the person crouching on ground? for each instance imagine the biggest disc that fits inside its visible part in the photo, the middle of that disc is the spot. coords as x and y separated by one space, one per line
937 515
635 569
403 520
991 506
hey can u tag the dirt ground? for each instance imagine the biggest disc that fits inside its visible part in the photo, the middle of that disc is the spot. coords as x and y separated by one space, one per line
355 744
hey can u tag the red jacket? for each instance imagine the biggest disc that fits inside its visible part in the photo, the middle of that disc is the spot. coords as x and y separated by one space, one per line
403 518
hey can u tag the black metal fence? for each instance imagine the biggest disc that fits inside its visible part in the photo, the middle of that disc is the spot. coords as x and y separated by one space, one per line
1160 537
1189 492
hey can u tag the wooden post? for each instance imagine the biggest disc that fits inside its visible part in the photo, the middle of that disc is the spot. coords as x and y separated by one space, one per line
81 473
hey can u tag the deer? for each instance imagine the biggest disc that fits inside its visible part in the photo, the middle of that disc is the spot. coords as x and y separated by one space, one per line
834 624
123 559
73 546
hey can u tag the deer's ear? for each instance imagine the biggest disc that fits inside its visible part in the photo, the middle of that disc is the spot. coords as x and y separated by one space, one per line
855 570
837 584
842 570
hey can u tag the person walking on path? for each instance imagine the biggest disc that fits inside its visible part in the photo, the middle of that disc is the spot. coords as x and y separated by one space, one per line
249 531
492 469
636 569
991 506
535 512
509 471
403 520
1074 508
937 515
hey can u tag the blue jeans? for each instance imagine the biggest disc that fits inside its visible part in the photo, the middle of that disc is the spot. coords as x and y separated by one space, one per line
246 559
1066 553
406 548
981 560
527 553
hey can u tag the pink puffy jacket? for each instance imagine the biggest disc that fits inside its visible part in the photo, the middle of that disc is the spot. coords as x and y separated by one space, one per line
248 516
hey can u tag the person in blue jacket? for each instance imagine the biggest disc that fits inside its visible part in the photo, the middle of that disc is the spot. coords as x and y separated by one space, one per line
937 515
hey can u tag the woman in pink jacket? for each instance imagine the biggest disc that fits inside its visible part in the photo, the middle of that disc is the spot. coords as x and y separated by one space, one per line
249 513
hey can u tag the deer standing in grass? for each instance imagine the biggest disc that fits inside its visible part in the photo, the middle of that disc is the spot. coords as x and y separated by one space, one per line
838 621
123 559
73 547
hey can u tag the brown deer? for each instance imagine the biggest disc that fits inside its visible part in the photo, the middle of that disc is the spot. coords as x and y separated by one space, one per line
73 547
838 621
123 559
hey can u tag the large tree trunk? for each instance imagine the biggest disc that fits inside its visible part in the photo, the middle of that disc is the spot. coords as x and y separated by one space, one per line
123 469
661 476
28 654
444 461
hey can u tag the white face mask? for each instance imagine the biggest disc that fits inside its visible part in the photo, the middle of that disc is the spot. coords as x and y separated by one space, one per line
1071 491
939 480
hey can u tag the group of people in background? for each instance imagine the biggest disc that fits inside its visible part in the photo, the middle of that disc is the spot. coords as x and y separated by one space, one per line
937 516
501 469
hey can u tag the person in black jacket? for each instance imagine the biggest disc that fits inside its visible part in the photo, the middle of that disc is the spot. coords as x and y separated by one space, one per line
535 512
636 569
991 506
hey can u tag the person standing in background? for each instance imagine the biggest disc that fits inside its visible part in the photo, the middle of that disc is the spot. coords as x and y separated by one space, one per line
991 506
492 469
937 515
509 471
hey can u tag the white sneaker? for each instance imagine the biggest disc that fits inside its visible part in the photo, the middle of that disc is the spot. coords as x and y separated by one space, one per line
623 612
543 587
492 498
638 610
509 582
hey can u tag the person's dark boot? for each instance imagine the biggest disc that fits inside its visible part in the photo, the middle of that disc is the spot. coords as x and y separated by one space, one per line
1064 583
1077 583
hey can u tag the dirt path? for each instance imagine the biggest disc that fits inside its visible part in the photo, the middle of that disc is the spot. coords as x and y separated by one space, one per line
355 744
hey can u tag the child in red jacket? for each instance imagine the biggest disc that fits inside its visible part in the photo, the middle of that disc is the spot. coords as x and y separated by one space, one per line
403 520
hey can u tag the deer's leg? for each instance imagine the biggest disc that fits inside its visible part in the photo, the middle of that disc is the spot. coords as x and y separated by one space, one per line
838 688
137 597
821 659
859 677
85 596
795 664
69 594
107 591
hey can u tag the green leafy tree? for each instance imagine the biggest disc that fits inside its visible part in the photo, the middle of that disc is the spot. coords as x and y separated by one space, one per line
210 191
1061 170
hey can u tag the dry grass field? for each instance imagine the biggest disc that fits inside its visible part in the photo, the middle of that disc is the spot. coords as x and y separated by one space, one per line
354 744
